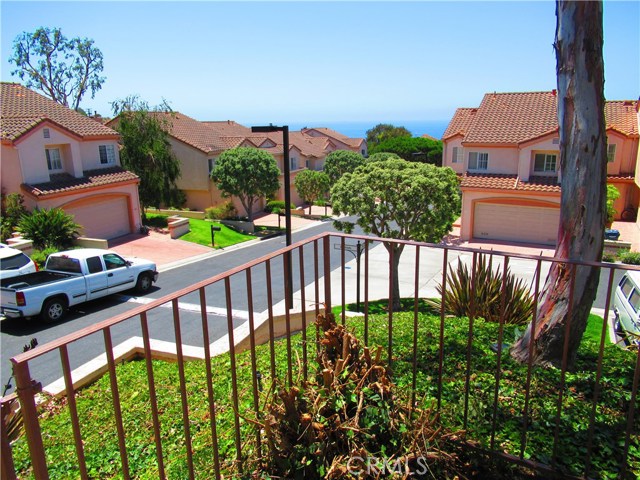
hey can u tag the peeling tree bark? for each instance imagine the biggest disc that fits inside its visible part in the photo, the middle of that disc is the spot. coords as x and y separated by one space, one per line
583 140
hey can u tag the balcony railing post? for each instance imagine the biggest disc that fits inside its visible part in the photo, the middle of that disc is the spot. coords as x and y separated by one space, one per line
7 470
326 255
26 390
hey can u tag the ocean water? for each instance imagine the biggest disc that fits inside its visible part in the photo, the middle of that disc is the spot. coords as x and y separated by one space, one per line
435 128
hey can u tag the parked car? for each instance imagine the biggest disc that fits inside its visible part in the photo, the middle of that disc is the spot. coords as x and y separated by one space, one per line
14 262
70 278
626 307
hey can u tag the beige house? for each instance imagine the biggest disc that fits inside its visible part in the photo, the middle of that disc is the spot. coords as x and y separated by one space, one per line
56 157
508 156
198 144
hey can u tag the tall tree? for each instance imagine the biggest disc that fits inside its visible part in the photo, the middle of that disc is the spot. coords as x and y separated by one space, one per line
63 69
399 199
246 173
146 150
385 131
311 185
567 298
340 162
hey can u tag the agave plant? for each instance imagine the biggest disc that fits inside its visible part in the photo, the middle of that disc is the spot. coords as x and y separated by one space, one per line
487 294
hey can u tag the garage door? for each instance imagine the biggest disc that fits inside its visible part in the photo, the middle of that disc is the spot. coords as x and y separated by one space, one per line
516 223
103 219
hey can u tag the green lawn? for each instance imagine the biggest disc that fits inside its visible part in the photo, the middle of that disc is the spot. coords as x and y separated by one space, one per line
201 231
99 431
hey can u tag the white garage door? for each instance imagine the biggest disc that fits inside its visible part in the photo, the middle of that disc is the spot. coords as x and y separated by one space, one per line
516 223
103 219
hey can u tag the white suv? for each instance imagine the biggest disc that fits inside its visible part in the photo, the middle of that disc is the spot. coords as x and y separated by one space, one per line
626 307
13 262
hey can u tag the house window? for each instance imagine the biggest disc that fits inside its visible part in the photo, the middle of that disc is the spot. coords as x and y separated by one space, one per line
306 163
456 157
611 153
107 154
54 161
478 160
46 133
545 162
212 164
293 163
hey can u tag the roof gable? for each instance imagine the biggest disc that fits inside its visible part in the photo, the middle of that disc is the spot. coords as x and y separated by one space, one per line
23 109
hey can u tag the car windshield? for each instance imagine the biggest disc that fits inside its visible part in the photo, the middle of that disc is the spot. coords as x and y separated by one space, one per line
14 262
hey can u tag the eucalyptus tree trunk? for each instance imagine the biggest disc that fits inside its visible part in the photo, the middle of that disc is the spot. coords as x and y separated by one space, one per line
394 266
583 140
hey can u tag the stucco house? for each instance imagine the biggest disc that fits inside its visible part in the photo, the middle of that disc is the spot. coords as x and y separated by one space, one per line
56 157
508 156
197 144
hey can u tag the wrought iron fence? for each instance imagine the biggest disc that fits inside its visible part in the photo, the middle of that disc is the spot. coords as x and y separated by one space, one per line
217 319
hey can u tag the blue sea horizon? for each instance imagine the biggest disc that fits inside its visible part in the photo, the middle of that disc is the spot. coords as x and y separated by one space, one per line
355 129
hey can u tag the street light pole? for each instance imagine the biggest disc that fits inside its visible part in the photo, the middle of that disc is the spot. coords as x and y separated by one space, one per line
287 198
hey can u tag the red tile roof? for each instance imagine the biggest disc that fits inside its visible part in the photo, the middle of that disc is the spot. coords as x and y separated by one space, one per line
228 128
510 182
514 118
193 132
352 142
460 123
21 109
63 182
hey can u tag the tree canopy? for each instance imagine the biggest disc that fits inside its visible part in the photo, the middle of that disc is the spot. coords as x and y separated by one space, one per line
311 185
146 150
401 200
412 149
340 162
381 156
385 131
62 69
247 173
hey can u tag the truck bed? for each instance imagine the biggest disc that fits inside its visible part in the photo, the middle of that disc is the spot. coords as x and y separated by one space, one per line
32 279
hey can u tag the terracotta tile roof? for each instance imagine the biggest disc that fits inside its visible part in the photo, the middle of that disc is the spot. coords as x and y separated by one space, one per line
228 128
513 118
621 115
426 135
352 142
460 123
63 182
510 182
193 132
22 109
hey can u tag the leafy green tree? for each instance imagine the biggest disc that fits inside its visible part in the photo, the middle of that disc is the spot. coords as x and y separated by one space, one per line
311 185
53 228
412 149
63 69
385 131
340 162
246 173
401 200
146 150
381 156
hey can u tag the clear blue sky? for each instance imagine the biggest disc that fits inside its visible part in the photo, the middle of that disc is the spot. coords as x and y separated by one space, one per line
288 62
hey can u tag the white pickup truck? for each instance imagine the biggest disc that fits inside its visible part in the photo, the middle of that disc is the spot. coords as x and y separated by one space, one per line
70 278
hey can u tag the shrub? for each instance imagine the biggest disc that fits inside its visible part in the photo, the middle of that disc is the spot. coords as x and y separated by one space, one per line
157 221
608 257
630 258
221 212
518 300
52 228
277 204
12 209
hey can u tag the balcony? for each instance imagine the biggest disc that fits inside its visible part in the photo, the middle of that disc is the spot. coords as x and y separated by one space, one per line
205 418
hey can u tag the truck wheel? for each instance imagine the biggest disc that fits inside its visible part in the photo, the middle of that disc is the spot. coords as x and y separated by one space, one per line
144 283
53 310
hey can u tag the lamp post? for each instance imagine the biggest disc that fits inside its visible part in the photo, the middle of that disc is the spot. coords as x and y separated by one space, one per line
287 197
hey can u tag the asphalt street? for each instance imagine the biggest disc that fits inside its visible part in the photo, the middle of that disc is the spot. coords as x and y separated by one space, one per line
15 333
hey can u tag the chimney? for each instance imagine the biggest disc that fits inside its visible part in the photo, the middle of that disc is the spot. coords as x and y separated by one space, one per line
554 92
